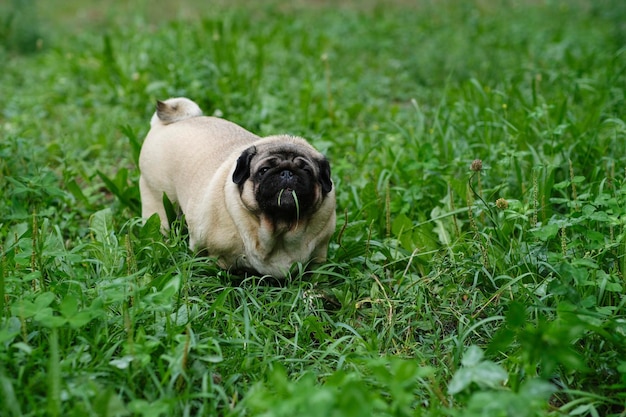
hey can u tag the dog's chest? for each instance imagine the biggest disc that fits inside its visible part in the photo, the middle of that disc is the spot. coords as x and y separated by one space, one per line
276 254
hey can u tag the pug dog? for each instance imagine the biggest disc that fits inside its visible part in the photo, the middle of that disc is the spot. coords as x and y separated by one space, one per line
257 205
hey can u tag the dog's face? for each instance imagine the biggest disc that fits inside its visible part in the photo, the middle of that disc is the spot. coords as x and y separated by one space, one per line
283 180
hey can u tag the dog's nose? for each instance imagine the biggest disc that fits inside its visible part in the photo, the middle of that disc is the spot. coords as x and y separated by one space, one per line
286 174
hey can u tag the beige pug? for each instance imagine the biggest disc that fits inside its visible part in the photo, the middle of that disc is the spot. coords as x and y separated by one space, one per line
256 204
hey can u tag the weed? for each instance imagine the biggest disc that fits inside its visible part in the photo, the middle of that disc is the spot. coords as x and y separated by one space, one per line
479 260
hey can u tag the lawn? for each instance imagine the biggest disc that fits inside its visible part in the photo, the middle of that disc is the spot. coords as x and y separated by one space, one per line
478 151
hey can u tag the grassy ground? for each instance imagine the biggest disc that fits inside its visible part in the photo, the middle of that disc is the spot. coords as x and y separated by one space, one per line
478 151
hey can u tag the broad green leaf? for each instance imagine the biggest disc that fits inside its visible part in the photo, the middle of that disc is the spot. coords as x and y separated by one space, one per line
485 374
537 388
24 308
516 315
44 299
489 374
27 309
79 319
475 370
69 306
460 380
546 232
10 328
144 408
472 356
101 225
401 224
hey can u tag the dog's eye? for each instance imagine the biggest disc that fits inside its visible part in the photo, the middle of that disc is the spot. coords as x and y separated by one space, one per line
263 170
303 165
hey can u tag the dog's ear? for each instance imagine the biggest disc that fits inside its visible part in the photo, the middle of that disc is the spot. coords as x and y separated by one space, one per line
242 170
324 179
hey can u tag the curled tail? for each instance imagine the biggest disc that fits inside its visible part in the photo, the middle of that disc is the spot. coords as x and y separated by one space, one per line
173 110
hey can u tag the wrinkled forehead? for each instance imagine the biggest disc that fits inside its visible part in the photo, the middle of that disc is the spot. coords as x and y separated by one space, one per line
277 152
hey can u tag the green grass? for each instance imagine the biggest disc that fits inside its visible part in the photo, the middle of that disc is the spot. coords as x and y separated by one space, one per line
453 288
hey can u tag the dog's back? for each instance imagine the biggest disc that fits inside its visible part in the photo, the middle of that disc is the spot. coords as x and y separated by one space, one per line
182 153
